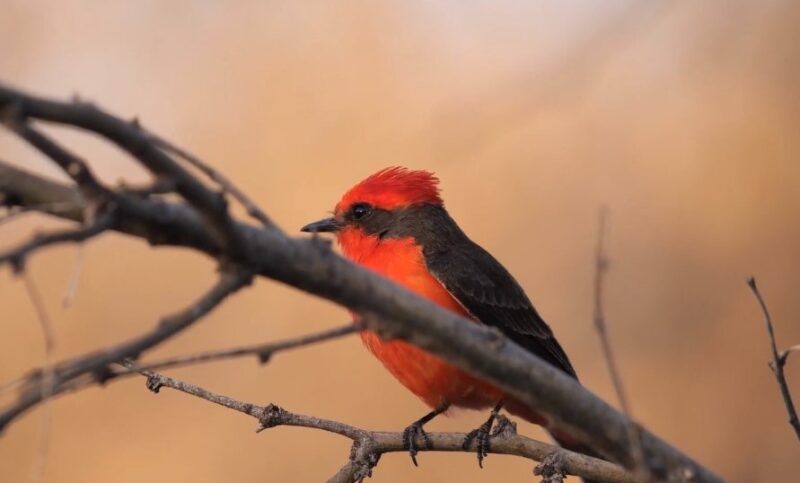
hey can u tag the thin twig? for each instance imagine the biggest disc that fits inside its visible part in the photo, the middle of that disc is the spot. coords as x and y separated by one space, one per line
96 363
204 224
75 167
601 267
74 277
48 375
16 256
381 442
778 361
263 351
252 209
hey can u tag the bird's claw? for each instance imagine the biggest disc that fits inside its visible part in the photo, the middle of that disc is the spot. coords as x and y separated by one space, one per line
481 436
410 435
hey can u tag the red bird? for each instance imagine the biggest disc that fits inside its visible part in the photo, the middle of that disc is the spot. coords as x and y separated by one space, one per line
394 222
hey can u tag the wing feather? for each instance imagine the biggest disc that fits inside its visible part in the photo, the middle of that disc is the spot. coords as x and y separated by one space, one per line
491 294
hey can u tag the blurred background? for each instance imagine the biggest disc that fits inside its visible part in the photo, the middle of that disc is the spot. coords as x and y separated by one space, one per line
681 117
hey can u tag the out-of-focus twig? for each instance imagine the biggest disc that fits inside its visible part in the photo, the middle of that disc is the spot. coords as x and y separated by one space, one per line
252 209
16 256
48 374
74 277
97 362
263 351
778 360
600 269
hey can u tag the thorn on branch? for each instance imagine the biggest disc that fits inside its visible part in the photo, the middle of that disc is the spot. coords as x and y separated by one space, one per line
104 374
264 357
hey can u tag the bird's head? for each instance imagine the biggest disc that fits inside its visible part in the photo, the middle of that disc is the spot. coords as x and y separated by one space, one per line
371 209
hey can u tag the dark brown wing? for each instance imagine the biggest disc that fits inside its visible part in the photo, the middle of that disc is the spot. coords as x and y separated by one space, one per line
472 275
489 292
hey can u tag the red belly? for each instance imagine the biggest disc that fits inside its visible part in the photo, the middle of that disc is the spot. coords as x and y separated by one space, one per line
430 378
424 374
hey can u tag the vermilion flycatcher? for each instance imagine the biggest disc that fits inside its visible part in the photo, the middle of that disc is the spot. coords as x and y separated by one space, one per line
394 222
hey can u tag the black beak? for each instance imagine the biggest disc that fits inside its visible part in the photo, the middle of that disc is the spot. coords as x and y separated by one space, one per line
322 226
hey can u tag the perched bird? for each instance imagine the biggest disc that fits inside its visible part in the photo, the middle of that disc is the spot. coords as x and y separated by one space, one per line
394 222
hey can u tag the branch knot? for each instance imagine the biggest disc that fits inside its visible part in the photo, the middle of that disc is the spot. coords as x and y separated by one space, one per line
551 469
271 416
154 383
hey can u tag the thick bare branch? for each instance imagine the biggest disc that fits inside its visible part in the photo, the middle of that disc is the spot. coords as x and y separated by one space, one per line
129 137
380 442
778 360
313 267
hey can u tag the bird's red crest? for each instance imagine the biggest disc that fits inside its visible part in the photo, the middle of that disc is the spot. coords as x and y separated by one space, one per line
392 188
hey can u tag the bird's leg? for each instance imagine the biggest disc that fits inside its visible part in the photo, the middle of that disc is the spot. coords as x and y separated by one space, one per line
482 434
415 429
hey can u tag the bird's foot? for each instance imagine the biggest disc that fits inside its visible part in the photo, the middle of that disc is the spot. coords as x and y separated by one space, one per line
481 437
410 435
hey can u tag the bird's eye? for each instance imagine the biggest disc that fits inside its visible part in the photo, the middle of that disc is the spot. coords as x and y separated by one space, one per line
360 210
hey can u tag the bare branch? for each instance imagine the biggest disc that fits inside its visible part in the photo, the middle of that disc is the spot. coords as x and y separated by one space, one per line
778 360
642 469
128 137
264 352
96 363
48 378
73 166
252 209
313 267
380 442
16 256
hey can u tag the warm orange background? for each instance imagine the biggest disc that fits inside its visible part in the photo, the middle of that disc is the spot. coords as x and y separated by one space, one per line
682 119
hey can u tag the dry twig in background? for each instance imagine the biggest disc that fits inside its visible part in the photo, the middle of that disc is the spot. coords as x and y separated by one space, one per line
641 468
778 360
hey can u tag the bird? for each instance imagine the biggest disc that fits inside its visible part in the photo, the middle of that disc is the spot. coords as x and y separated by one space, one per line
394 222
